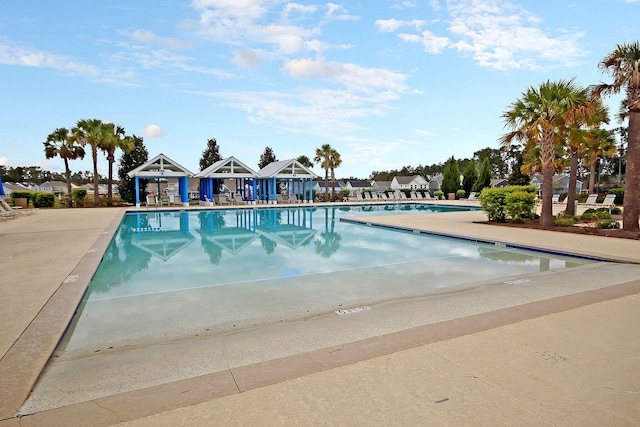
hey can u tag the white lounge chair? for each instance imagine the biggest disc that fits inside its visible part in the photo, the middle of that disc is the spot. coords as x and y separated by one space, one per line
555 198
6 208
383 196
152 201
608 202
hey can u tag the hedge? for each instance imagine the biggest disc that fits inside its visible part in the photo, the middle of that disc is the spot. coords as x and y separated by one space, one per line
514 202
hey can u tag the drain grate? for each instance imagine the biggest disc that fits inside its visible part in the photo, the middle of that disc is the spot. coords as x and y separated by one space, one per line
351 310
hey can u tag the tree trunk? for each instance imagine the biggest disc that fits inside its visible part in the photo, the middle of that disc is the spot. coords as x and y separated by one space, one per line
548 155
96 178
592 177
326 185
571 192
631 209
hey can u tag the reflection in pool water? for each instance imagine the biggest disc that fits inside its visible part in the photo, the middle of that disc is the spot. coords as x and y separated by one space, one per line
171 274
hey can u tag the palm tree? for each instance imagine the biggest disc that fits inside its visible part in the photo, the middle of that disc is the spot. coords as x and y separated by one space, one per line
577 139
538 116
623 64
336 162
115 138
92 132
59 143
599 142
323 157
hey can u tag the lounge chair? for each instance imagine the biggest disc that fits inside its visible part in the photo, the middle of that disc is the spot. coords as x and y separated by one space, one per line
591 200
608 202
402 195
367 196
152 201
555 198
374 196
7 214
5 208
472 196
383 196
427 196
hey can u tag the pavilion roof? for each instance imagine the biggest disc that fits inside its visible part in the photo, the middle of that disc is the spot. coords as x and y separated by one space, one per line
286 169
228 168
160 166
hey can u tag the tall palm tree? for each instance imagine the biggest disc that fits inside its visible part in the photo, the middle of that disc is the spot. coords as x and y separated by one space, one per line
336 162
91 132
577 137
623 64
599 142
59 143
538 116
115 138
323 157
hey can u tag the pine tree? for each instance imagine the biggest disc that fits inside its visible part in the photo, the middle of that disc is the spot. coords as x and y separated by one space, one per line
128 162
484 177
267 157
211 154
451 177
470 177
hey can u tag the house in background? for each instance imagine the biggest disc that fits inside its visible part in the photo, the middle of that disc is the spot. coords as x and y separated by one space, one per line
560 183
57 188
357 187
318 186
381 186
415 182
435 184
499 182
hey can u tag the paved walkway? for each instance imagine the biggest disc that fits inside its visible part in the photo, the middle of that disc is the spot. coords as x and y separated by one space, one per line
570 359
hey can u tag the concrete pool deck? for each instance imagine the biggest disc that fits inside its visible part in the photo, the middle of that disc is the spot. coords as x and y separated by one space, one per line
565 360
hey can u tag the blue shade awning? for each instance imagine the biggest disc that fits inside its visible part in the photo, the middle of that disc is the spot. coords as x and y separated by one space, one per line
1 188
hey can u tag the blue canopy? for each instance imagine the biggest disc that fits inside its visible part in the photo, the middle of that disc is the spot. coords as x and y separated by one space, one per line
1 188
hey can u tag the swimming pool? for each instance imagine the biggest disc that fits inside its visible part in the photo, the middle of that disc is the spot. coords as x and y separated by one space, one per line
169 276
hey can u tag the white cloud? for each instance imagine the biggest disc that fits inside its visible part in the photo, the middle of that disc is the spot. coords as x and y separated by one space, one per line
13 54
423 132
248 58
339 13
392 25
151 37
502 36
4 161
354 77
153 131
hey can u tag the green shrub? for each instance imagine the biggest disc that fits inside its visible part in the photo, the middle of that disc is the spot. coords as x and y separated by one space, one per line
616 210
460 194
22 194
519 205
603 213
43 199
567 221
589 216
494 202
78 195
608 224
438 194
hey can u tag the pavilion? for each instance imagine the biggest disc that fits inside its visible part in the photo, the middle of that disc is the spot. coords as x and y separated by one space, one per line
294 178
162 167
211 179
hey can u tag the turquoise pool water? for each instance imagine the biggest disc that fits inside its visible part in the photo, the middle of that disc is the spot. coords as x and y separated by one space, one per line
170 275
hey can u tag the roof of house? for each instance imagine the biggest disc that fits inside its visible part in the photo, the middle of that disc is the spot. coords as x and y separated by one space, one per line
160 166
360 184
227 168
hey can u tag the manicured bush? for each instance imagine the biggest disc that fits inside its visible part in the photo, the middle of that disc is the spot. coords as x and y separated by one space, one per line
589 216
438 194
519 205
567 221
78 195
22 194
460 194
616 210
43 199
494 202
608 224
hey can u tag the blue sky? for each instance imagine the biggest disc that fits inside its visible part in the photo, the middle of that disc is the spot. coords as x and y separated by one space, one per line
387 83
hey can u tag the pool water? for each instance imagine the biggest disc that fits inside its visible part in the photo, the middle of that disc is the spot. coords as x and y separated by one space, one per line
172 275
